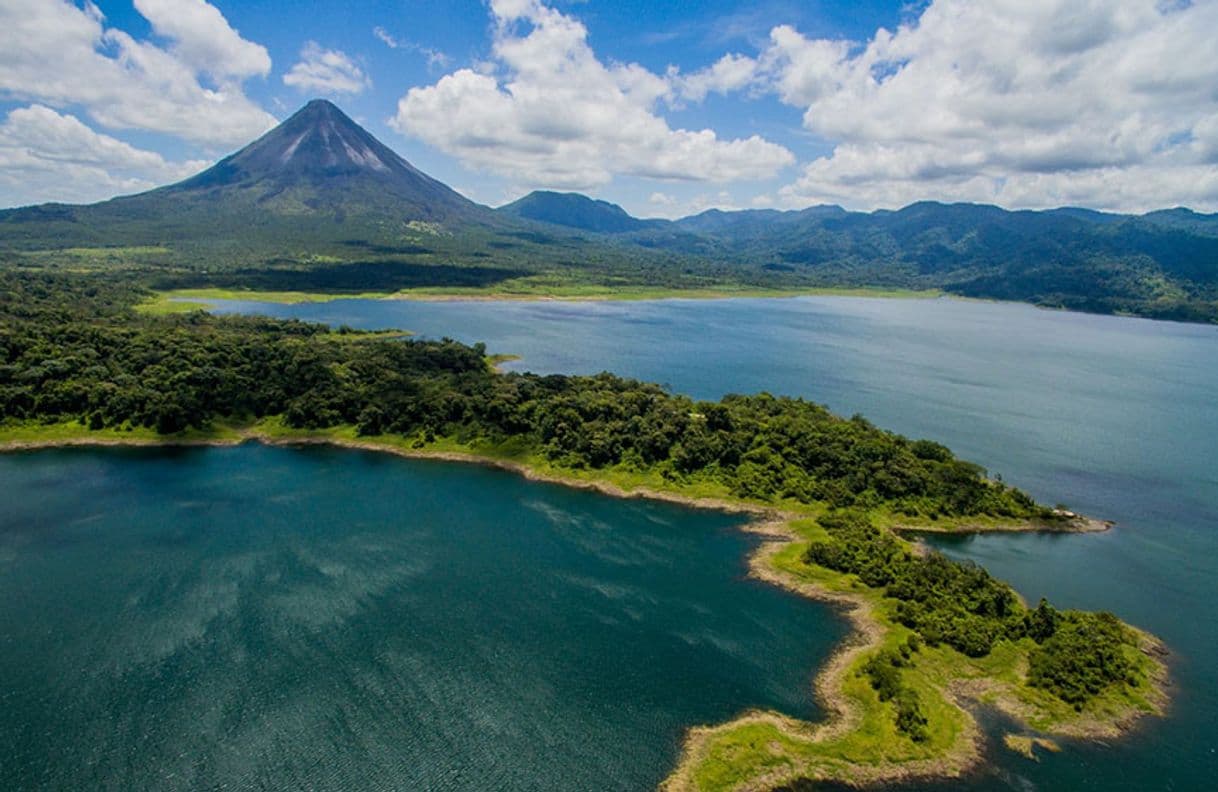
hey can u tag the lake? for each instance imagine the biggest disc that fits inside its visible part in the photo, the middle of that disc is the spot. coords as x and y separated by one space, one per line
271 618
1113 416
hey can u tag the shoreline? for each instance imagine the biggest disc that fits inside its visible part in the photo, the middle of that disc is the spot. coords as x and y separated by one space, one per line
773 526
1078 524
187 300
771 516
842 715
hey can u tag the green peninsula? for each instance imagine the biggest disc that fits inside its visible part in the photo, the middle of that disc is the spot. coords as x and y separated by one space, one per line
832 496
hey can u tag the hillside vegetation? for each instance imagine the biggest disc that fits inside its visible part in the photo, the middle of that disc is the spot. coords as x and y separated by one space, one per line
320 205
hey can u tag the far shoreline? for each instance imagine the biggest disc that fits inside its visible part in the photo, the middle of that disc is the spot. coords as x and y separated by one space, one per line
186 300
175 301
774 526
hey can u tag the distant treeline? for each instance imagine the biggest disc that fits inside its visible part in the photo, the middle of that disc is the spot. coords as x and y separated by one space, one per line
1162 265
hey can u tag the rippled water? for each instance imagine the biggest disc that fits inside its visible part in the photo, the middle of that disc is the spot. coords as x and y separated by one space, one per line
1115 416
266 618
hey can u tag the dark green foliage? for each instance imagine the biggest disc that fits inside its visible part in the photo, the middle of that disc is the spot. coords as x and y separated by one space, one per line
961 605
946 601
1042 622
858 547
1085 655
884 673
957 603
909 714
353 276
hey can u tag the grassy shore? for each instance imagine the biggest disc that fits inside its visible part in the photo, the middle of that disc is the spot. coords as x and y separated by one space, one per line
858 743
186 300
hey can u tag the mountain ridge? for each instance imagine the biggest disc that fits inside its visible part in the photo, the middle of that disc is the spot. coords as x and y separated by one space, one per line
575 210
320 203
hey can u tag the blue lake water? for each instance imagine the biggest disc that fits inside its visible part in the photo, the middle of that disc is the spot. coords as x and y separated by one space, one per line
267 618
1115 416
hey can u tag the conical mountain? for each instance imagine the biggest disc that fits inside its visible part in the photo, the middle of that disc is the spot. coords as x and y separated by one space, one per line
319 160
317 178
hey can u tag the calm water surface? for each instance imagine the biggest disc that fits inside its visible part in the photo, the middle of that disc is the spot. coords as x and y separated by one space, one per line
264 618
258 617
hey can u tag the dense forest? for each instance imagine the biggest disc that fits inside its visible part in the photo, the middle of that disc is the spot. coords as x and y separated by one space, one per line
72 348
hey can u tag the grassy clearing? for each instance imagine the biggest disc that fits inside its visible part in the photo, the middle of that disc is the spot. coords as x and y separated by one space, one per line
187 300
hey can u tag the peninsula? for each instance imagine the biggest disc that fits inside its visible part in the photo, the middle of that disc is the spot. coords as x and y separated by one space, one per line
832 497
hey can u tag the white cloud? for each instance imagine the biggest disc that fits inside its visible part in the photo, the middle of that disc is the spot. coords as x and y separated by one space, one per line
58 54
203 39
1028 103
550 113
326 71
48 156
730 73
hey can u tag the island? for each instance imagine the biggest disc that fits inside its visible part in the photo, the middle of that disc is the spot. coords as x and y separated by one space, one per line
835 500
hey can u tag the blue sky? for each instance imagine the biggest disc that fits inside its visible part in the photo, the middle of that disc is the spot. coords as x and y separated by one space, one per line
667 108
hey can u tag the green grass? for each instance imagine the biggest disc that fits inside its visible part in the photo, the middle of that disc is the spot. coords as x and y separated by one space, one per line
69 432
187 300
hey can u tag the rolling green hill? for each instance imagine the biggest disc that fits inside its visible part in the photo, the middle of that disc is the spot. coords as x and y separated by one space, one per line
573 210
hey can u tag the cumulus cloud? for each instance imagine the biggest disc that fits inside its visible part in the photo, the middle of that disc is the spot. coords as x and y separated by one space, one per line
732 72
1108 103
48 156
60 54
326 71
203 39
548 112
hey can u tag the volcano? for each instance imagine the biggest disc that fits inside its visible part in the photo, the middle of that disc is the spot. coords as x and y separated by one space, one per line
318 177
320 161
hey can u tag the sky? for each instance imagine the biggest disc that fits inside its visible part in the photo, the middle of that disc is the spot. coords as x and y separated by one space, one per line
665 107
